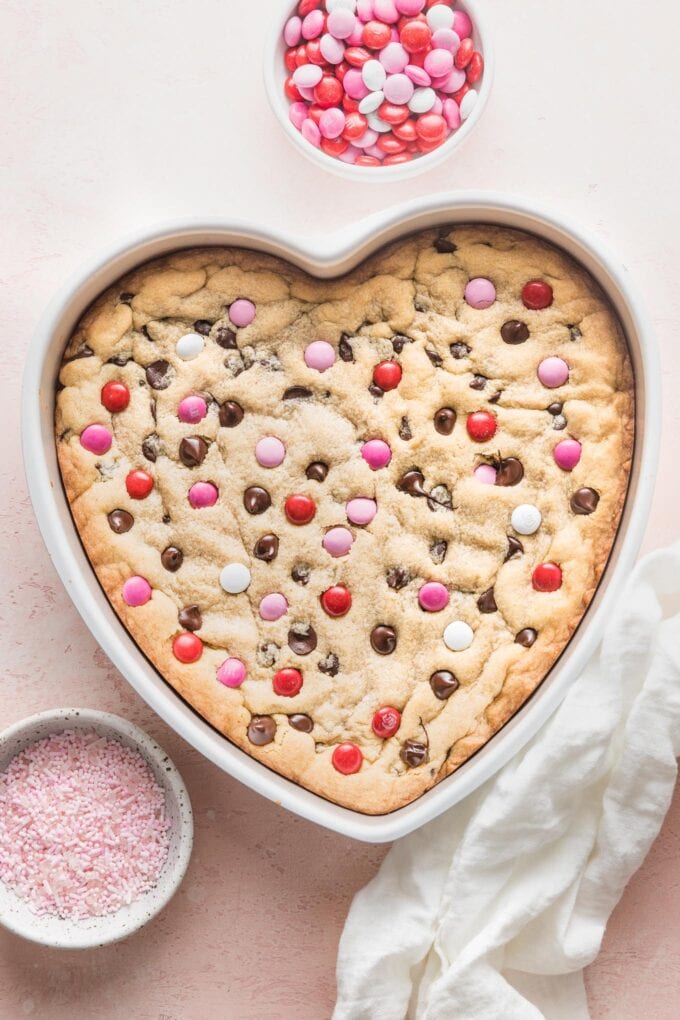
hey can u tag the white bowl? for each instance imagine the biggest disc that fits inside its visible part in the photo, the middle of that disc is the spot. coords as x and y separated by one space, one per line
327 256
60 933
275 75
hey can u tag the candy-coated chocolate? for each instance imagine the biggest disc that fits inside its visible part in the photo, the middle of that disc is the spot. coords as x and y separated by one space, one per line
292 32
231 673
486 474
331 50
481 426
458 636
341 23
440 16
192 410
480 293
273 606
136 591
547 577
338 541
462 24
270 452
311 132
526 519
415 36
189 346
374 75
336 601
387 375
287 682
115 396
567 454
96 439
446 39
386 10
202 494
187 648
394 58
422 101
433 597
138 484
235 578
347 758
376 453
300 509
361 510
376 35
475 68
553 372
464 53
320 355
386 722
467 100
312 25
537 294
398 89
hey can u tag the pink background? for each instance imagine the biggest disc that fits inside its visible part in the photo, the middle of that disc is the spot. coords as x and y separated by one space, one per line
123 114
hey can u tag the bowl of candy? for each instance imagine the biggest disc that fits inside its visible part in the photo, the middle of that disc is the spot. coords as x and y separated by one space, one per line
96 828
378 90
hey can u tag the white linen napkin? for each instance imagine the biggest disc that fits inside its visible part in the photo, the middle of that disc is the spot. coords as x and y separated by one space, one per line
491 911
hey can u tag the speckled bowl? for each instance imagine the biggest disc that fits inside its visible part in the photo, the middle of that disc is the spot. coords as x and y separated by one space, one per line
59 933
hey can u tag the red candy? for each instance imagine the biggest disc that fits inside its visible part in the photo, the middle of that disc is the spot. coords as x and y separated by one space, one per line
475 68
464 54
391 145
376 35
138 484
300 509
187 647
406 131
536 294
547 577
357 56
334 146
387 375
306 7
430 127
291 90
481 426
399 157
347 758
355 126
287 683
115 396
393 114
368 161
386 722
328 92
336 601
314 54
415 36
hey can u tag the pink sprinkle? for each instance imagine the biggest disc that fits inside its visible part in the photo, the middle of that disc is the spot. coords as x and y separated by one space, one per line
83 828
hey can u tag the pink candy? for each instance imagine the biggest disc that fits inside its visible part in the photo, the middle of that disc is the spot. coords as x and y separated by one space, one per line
394 58
242 312
292 33
433 597
567 454
361 510
273 607
320 354
338 541
311 132
341 23
398 89
354 85
438 63
312 25
270 452
297 112
231 673
480 293
136 591
202 494
418 75
451 112
192 409
486 474
553 372
409 7
332 50
446 39
376 453
96 439
462 24
386 10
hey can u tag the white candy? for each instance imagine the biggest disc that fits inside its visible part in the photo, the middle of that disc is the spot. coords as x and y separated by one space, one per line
440 16
376 123
468 104
235 578
371 102
307 76
335 5
526 519
189 346
458 636
422 100
374 75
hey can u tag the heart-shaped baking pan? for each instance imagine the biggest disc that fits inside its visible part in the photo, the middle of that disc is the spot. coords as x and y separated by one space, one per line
333 257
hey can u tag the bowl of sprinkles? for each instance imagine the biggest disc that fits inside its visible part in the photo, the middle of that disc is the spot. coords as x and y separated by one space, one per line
96 828
378 89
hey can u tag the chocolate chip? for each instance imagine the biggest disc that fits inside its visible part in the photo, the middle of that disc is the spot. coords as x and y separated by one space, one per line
202 326
166 518
190 618
478 382
152 408
440 499
399 342
172 558
584 501
435 358
317 471
375 390
526 637
496 397
256 500
443 684
412 483
444 246
509 471
555 408
151 447
301 722
438 550
575 333
383 639
345 348
302 639
459 350
559 422
192 451
514 547
267 654
266 548
84 351
301 573
159 375
515 332
120 521
486 603
405 432
231 414
261 730
226 339
330 665
398 578
444 421
414 753
297 393
126 297
120 360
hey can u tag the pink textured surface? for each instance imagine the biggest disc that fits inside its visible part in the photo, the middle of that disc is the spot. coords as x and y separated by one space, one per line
112 126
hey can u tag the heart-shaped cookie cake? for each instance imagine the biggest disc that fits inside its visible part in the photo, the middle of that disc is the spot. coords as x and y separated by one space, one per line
353 522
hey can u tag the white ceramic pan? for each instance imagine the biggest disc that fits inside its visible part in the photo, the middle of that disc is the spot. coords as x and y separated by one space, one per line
328 256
